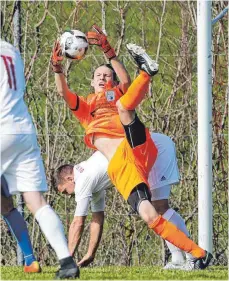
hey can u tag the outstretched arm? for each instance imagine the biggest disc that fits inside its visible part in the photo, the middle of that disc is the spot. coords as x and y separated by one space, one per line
122 74
75 233
77 104
61 83
96 230
63 90
97 37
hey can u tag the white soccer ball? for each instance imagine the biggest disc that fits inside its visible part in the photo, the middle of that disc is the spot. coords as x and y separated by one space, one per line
73 44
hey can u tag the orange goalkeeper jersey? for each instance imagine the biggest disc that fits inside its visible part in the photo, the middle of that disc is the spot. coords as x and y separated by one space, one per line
98 114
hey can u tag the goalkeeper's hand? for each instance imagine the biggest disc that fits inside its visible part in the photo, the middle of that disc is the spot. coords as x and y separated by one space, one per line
56 58
97 37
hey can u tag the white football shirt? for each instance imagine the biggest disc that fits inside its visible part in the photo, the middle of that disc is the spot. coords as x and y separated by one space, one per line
14 118
91 180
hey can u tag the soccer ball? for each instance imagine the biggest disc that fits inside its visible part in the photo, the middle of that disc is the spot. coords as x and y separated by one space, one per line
73 44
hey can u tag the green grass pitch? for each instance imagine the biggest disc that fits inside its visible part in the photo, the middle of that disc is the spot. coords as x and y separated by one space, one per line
119 273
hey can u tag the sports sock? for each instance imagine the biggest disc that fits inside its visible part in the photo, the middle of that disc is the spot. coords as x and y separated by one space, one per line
172 216
176 219
17 226
53 229
171 233
136 92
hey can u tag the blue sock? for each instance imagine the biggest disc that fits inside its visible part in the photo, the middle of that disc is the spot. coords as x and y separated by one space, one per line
19 229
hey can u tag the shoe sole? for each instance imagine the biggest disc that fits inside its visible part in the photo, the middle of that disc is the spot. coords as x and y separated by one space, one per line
68 275
33 268
139 51
32 271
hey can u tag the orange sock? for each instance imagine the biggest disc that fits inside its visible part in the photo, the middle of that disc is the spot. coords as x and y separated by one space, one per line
171 233
136 92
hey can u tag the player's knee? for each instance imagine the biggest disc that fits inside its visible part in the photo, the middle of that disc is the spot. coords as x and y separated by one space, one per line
34 201
135 132
120 107
123 113
138 194
126 116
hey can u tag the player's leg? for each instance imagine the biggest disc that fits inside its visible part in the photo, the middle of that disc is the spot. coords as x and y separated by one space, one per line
162 207
138 141
30 180
136 92
162 175
18 228
139 87
142 59
141 145
52 228
174 217
139 200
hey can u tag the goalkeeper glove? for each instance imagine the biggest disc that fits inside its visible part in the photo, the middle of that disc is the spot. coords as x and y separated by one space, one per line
56 58
98 38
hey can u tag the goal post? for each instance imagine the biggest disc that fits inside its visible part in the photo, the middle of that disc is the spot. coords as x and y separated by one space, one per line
204 69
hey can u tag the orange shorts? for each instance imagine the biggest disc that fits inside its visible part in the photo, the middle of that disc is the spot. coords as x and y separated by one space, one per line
131 166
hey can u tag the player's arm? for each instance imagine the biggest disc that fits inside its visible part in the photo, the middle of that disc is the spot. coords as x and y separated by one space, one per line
97 37
61 83
122 74
96 230
77 225
77 104
75 233
96 226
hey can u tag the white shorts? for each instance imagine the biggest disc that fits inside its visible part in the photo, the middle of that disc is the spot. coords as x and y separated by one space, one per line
160 193
21 163
165 170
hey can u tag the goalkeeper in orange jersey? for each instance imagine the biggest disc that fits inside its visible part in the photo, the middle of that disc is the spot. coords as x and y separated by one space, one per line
113 127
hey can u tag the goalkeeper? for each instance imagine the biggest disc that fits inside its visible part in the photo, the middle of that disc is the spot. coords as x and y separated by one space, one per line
113 128
89 180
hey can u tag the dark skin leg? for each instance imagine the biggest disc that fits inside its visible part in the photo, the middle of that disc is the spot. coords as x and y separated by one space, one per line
161 206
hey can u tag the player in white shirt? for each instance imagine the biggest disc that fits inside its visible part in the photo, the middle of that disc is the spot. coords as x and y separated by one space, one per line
89 180
21 162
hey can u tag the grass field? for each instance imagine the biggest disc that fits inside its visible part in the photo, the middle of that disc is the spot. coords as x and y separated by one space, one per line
119 273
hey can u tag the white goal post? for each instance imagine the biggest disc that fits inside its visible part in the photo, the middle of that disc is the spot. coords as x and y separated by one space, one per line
204 69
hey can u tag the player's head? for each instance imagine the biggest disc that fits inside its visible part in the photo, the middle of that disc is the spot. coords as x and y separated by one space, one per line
65 179
102 75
